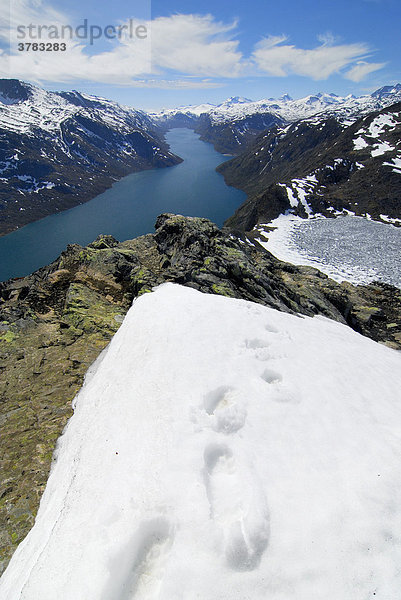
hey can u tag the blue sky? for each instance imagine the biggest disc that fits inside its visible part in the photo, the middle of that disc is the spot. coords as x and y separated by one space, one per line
190 52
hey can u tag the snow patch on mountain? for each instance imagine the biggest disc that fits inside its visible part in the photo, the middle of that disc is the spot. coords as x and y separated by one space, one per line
222 449
382 123
396 163
381 148
298 190
47 111
374 134
360 143
345 109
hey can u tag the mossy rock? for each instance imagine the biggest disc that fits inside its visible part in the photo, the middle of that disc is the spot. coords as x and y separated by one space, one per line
54 324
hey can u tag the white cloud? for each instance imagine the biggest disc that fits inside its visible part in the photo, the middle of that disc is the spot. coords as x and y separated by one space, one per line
176 48
362 69
278 59
186 44
17 12
196 45
327 38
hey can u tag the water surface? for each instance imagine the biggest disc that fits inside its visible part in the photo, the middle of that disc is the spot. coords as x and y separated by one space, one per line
129 208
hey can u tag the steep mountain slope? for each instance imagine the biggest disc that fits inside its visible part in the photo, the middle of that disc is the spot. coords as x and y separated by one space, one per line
230 136
54 323
221 449
59 150
320 166
234 124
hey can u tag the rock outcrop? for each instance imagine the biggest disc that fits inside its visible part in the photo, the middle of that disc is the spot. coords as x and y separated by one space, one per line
54 324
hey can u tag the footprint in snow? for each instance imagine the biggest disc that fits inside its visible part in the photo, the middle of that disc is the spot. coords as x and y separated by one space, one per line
279 391
226 409
222 410
256 343
138 571
271 376
271 328
259 347
238 508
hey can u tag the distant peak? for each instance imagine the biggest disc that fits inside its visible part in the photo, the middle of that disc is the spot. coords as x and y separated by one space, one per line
235 100
387 90
13 91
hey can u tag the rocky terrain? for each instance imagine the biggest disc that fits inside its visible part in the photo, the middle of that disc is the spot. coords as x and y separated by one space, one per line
58 150
322 167
54 324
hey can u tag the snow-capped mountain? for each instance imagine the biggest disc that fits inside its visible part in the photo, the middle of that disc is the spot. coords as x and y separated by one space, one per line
288 109
222 449
233 124
61 149
234 101
387 91
32 109
321 166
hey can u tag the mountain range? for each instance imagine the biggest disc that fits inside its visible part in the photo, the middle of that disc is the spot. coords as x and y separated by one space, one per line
321 166
60 149
235 123
222 423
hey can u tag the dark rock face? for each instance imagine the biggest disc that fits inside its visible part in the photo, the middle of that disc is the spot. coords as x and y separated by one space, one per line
228 137
54 323
361 180
232 137
14 91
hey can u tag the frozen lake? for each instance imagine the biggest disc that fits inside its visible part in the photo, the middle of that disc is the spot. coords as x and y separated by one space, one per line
347 248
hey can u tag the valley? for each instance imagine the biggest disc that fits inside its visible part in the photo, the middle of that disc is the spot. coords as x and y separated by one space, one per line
58 150
214 335
62 149
129 208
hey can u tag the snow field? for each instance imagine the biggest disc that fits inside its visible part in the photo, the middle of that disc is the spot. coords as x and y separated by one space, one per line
223 450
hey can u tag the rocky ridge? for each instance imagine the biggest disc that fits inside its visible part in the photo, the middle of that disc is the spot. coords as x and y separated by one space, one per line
55 322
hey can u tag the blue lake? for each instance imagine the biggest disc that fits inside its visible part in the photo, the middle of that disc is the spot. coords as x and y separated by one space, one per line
129 208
